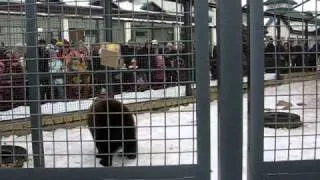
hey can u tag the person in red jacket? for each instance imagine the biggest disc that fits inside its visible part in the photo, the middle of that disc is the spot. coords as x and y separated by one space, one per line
1 68
12 81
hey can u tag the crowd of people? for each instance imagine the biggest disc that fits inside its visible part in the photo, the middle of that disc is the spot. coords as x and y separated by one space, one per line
75 71
290 56
279 57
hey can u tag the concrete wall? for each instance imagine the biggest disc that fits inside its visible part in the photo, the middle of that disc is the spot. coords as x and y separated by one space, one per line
142 32
12 29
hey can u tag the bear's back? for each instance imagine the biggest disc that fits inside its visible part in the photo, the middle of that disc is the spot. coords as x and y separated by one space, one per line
119 114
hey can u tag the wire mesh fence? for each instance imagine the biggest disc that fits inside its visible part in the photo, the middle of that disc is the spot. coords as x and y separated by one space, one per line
112 83
291 109
101 76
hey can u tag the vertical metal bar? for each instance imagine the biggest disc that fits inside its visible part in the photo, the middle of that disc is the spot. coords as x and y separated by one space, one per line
107 16
60 34
202 93
187 40
305 46
98 31
230 130
33 82
48 27
249 73
152 31
107 4
278 26
306 34
256 91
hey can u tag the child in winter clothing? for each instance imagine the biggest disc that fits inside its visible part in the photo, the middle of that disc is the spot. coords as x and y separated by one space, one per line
56 67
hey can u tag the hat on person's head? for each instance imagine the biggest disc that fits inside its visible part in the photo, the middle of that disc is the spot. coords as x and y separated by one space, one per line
59 43
154 42
169 45
66 43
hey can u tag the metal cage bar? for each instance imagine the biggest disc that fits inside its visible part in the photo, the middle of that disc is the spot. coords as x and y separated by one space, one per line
170 172
255 90
34 89
202 95
230 123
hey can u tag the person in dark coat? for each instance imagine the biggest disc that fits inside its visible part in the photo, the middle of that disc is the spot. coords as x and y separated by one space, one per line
127 53
97 70
213 64
170 57
313 54
128 77
43 67
145 61
281 61
269 56
297 58
184 60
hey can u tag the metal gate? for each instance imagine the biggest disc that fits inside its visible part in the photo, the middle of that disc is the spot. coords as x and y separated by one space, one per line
283 119
59 58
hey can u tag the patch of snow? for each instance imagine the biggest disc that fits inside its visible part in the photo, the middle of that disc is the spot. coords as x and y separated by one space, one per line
83 3
126 5
78 105
267 77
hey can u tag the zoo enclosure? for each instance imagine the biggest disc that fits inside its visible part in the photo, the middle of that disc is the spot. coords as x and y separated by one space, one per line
230 87
60 56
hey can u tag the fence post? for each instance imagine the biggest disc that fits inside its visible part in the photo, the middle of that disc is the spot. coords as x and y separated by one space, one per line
230 63
256 89
33 82
202 92
107 5
187 22
107 17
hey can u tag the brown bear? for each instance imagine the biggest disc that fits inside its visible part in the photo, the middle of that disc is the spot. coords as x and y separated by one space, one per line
112 126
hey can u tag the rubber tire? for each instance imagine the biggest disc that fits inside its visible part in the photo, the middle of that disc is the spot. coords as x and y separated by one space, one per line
13 155
282 120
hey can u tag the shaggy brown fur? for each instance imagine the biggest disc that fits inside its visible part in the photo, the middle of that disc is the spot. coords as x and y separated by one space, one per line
113 133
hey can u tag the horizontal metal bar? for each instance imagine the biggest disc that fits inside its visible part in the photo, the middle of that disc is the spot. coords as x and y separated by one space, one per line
161 172
291 167
294 176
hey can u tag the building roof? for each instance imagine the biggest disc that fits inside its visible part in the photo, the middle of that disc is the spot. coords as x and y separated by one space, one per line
151 6
90 11
270 2
292 15
295 26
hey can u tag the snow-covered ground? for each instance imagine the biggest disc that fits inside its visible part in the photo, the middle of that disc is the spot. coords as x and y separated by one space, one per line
127 97
301 143
168 137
